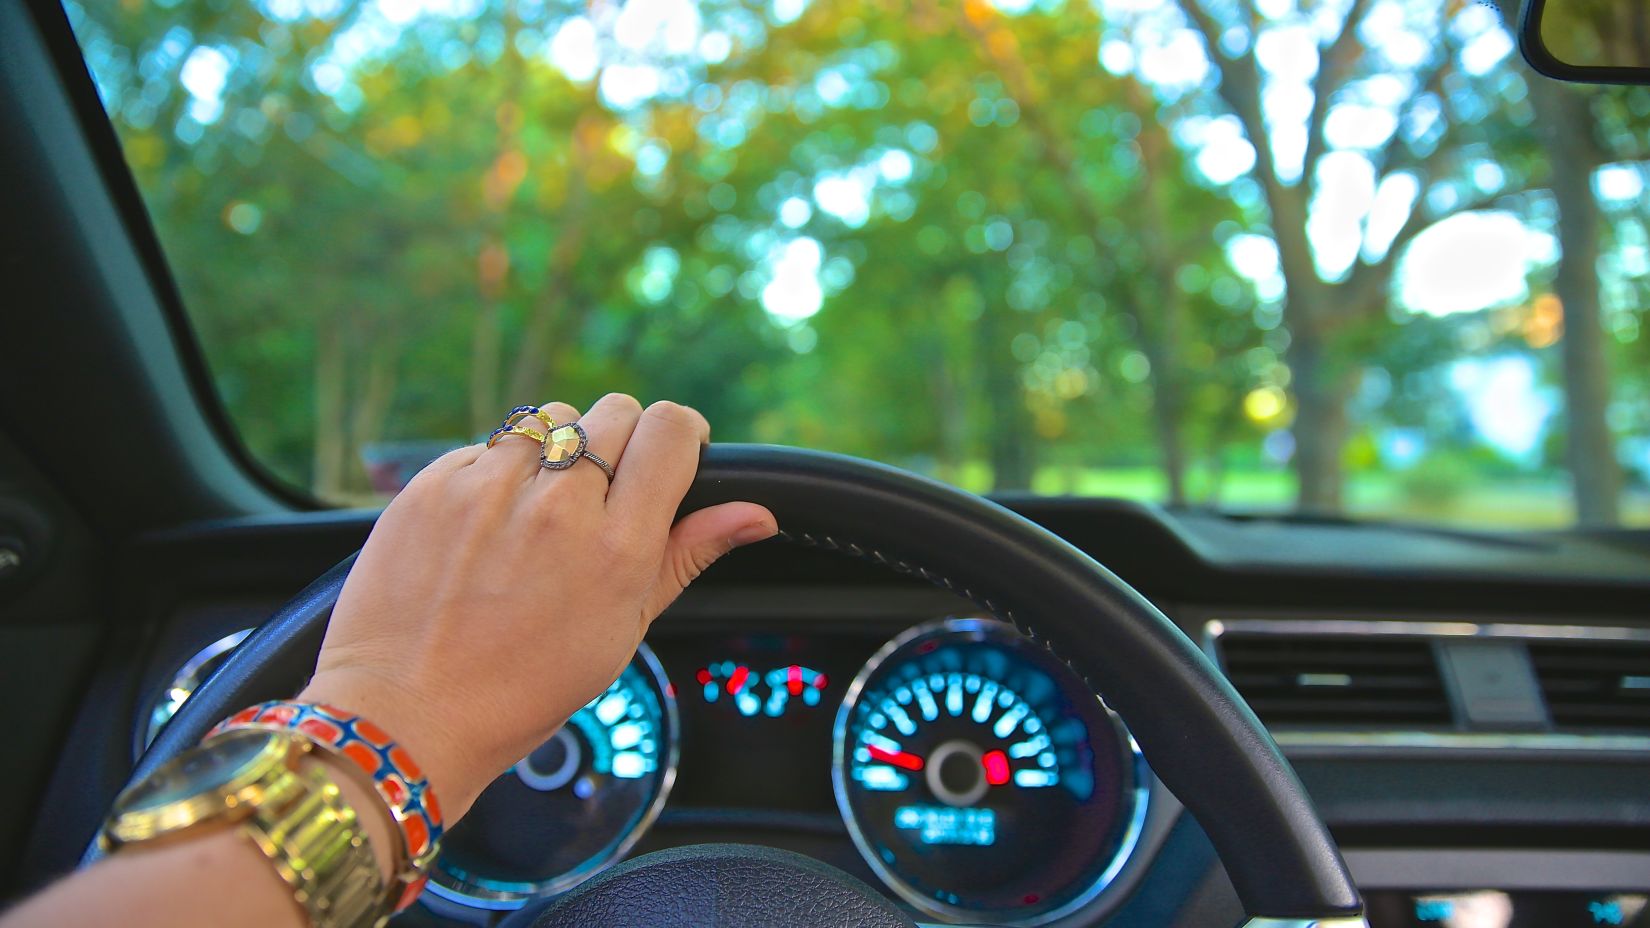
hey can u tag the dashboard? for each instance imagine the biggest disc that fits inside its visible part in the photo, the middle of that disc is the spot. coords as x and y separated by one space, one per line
796 700
975 775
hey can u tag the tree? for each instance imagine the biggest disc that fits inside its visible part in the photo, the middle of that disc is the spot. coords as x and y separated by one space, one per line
957 237
1322 305
1571 138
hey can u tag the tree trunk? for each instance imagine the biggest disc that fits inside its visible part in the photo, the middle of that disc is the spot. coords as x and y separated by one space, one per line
1320 426
1159 328
485 342
558 315
331 440
1567 133
371 410
1168 408
1173 453
951 398
951 407
1227 420
1011 435
1010 439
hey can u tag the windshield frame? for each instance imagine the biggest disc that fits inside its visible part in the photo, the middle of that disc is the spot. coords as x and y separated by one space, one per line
138 232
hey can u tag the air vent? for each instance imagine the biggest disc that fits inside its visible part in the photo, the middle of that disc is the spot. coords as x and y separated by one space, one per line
1336 680
1595 685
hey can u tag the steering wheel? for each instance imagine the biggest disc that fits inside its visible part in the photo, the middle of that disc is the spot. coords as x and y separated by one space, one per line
1197 734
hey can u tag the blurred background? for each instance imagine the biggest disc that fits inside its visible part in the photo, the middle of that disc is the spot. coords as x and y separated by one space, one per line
1199 252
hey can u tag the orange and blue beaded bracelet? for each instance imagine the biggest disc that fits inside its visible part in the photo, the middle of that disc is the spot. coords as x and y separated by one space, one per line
398 780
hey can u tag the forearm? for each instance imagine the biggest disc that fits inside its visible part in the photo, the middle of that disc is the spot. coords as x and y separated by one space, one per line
455 634
208 881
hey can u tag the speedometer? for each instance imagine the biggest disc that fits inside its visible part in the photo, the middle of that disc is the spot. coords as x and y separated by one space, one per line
981 779
574 805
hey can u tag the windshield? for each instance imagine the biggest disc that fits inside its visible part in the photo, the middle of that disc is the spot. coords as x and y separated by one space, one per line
1203 252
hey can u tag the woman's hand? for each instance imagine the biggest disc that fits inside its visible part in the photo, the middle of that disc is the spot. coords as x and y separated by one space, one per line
494 597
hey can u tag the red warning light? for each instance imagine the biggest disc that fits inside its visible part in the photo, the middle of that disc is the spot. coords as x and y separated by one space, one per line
996 767
737 681
703 676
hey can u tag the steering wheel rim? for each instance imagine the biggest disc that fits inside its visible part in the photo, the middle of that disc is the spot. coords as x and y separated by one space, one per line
1196 732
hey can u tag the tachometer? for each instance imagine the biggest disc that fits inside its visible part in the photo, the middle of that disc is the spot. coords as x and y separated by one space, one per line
574 805
981 779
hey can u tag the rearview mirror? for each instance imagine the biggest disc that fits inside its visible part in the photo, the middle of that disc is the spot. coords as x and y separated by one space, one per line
1589 41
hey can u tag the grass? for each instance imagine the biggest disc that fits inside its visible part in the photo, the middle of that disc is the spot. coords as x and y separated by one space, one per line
1490 503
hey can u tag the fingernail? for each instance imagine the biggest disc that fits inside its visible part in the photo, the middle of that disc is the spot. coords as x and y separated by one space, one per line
754 532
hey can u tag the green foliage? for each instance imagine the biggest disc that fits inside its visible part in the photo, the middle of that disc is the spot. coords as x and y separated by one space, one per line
391 232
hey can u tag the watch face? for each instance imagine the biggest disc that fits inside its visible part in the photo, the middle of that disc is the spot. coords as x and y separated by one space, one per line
199 770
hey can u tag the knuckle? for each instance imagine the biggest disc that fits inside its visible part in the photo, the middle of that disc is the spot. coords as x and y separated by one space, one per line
440 468
429 480
433 480
688 565
621 401
674 414
450 458
685 571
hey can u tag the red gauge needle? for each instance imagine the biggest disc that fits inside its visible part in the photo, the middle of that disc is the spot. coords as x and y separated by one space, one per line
904 759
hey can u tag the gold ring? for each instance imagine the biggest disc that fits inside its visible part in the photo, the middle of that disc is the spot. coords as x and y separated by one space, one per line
513 425
565 445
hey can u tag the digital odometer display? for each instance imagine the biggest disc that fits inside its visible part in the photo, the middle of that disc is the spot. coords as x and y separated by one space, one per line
574 805
982 779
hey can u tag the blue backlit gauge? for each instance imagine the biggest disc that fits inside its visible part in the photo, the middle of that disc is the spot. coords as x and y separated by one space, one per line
753 692
981 779
573 806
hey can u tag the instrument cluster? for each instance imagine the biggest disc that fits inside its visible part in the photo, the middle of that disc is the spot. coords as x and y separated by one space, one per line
980 778
976 775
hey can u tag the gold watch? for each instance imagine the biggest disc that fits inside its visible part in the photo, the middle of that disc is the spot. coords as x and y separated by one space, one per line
251 779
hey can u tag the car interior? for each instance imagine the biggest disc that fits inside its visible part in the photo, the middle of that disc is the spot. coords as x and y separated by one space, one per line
1024 706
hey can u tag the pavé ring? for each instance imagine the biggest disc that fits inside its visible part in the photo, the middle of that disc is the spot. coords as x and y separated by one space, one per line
566 444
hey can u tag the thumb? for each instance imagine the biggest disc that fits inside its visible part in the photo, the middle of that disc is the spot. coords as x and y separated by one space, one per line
699 539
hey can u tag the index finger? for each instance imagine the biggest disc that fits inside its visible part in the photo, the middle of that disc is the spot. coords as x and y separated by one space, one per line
659 464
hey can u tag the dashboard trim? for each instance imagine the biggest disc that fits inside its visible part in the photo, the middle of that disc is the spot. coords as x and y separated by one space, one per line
1513 869
1213 629
1541 742
1264 922
1301 741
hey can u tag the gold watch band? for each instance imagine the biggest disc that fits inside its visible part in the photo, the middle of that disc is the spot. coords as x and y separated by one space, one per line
320 849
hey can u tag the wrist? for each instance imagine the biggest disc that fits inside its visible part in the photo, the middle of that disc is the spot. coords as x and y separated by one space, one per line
438 755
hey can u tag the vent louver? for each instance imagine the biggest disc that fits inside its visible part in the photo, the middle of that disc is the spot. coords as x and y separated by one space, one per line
1595 685
1336 680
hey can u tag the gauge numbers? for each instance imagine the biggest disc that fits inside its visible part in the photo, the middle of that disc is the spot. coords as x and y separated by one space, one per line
756 692
981 779
1012 747
573 806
